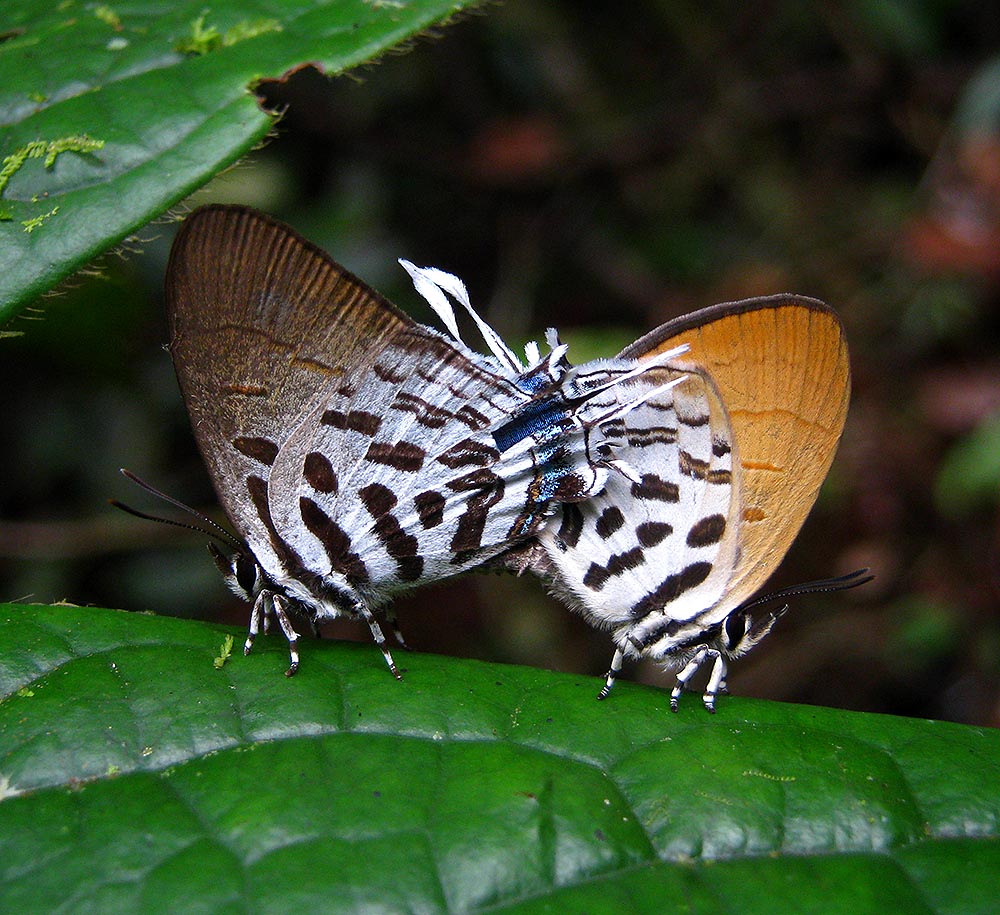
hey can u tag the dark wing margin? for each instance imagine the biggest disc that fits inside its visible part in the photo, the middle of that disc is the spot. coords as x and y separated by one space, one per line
781 366
260 319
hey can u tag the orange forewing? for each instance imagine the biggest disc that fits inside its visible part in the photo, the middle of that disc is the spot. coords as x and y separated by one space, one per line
781 366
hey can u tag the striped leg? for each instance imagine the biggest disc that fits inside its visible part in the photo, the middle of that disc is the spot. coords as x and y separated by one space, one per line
279 603
257 614
268 602
361 608
686 674
397 633
616 668
716 682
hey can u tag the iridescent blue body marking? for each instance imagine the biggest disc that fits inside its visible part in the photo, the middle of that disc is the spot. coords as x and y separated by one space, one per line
535 419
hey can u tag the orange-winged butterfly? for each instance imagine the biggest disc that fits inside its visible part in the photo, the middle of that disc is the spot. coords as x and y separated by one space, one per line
722 474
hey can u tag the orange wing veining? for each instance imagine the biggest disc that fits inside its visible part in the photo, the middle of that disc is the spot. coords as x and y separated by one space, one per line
781 366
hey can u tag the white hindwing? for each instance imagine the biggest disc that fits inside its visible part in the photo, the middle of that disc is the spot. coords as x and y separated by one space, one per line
650 557
389 477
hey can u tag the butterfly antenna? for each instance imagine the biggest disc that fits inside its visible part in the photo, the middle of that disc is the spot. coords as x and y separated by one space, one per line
621 410
213 530
841 583
639 369
188 527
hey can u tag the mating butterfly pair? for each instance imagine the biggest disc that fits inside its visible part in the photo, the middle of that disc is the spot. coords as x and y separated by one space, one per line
358 453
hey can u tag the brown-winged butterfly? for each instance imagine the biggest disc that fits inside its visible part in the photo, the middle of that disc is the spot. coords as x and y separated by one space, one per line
358 453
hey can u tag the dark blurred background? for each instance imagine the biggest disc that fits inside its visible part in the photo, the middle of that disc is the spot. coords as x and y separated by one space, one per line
603 171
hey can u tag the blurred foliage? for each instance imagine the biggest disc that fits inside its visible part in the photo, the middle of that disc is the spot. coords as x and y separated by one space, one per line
969 477
601 173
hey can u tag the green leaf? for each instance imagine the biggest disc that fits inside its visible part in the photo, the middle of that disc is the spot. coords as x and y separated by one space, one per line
110 114
139 776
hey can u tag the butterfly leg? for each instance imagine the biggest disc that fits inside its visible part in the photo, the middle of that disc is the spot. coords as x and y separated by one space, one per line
257 614
279 603
361 608
266 604
716 682
691 668
616 668
397 633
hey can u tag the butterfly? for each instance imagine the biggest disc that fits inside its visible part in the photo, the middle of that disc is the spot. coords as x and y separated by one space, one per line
723 469
356 452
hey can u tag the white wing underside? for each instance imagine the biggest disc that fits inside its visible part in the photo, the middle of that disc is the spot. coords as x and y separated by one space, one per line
413 484
652 560
413 456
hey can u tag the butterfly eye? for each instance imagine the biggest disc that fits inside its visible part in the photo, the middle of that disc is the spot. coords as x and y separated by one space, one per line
734 628
240 570
245 569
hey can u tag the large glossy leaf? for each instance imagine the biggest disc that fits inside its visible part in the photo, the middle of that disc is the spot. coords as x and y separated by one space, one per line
138 776
111 113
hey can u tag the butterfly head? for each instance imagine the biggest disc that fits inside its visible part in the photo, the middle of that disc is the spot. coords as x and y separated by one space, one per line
739 632
731 637
243 574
